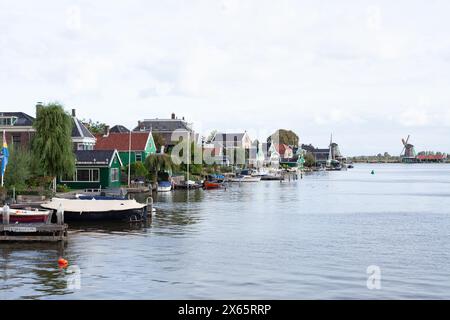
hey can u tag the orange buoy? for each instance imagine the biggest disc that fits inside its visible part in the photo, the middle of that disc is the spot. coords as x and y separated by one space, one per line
62 263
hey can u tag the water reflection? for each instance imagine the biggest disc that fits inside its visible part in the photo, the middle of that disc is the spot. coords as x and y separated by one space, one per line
34 265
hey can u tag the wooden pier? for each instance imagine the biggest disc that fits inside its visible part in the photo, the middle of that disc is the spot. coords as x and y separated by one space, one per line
33 232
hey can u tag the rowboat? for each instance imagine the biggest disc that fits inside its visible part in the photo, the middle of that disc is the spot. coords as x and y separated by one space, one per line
244 178
164 186
26 216
98 209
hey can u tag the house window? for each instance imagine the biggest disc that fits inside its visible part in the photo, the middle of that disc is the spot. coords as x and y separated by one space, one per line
139 156
83 175
114 174
16 139
8 121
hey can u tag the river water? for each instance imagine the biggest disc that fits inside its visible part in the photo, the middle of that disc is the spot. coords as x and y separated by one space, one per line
308 239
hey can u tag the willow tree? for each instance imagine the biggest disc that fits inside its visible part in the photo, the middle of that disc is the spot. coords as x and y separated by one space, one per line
158 162
52 144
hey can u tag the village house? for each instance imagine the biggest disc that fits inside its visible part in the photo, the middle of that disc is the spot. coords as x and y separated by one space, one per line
18 127
95 169
230 143
82 138
142 145
166 129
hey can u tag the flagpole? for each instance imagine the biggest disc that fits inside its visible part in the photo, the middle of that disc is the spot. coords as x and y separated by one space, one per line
129 160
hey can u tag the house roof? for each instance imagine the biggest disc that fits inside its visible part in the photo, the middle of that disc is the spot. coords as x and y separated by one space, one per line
431 156
95 157
23 119
162 125
79 130
224 137
281 148
119 129
120 141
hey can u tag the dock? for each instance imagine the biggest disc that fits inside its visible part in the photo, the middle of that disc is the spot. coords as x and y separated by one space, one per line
40 232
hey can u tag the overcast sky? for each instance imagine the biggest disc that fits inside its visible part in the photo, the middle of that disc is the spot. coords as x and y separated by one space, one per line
370 72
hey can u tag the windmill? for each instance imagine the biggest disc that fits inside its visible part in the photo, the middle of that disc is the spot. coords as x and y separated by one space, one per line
408 151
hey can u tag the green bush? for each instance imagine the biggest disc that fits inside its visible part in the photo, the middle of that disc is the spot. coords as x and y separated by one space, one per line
62 188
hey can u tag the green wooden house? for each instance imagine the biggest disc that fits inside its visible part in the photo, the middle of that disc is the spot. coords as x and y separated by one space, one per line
95 169
142 145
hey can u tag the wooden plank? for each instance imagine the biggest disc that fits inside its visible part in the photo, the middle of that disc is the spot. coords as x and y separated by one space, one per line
33 238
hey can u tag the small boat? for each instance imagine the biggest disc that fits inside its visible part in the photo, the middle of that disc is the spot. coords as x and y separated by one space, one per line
95 210
26 216
212 185
244 178
188 185
164 186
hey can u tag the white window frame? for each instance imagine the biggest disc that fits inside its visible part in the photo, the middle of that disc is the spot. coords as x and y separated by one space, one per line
136 156
112 174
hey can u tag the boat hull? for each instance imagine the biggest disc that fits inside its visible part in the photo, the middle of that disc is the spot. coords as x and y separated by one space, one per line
25 218
163 189
211 185
124 216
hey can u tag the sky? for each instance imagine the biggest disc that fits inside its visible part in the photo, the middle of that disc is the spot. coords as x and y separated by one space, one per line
369 72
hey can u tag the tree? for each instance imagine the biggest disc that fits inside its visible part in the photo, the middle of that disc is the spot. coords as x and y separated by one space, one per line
310 161
138 170
156 163
159 140
283 136
52 144
95 127
19 168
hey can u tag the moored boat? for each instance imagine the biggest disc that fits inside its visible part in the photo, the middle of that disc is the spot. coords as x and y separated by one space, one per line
98 209
212 185
244 178
164 186
26 216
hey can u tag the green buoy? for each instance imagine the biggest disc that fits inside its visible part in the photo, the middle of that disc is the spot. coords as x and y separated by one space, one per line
373 172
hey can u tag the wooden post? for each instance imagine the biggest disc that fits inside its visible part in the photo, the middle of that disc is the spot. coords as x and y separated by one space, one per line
5 214
60 215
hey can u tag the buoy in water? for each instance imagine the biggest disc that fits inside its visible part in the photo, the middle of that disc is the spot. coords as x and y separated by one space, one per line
373 172
63 263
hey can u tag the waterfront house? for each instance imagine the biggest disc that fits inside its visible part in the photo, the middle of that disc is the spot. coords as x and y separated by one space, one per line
142 145
18 127
285 151
320 155
94 169
168 129
82 138
230 143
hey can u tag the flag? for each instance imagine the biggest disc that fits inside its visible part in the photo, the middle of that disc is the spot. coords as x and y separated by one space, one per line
5 154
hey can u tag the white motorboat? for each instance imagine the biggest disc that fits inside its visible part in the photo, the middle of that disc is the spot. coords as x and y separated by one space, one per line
245 178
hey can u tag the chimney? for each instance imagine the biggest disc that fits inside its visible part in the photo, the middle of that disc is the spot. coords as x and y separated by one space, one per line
73 113
38 107
106 132
173 116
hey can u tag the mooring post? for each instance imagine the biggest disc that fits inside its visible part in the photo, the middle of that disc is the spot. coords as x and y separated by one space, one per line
5 214
150 204
60 215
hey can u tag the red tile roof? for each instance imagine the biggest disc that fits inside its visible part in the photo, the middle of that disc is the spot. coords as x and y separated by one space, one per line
281 148
120 141
431 157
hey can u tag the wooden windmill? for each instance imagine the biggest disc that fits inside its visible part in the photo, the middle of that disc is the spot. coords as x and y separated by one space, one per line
408 151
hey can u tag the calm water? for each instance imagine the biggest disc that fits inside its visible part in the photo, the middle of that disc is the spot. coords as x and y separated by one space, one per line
312 238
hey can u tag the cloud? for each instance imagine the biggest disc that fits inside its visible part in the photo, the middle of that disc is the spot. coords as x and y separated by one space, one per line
414 118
